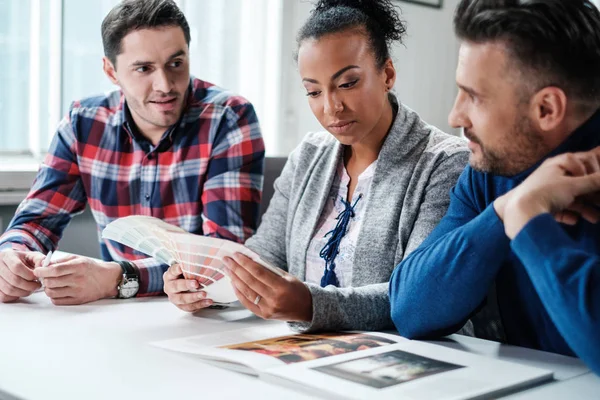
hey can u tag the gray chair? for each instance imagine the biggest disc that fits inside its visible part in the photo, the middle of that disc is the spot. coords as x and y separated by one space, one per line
273 168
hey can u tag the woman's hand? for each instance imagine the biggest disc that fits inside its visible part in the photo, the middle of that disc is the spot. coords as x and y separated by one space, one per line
267 294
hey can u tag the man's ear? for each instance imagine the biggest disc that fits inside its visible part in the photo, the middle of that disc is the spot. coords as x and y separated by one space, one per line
549 108
110 70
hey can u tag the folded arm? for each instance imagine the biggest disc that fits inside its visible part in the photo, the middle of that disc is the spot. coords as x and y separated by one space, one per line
567 279
564 272
437 287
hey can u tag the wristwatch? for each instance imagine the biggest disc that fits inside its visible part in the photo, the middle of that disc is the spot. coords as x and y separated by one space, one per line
130 283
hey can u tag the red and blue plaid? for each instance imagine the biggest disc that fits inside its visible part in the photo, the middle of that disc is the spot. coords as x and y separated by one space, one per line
205 175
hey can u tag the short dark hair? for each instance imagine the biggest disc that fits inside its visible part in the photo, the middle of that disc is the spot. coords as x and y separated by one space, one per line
554 42
380 19
131 15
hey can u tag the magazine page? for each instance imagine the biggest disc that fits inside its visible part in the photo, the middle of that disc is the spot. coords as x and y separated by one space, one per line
408 370
275 345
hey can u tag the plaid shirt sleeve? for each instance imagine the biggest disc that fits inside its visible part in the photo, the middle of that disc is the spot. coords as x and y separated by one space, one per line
151 273
56 195
231 193
233 188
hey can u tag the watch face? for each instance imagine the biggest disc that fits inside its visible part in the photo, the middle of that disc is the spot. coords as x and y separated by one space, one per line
129 289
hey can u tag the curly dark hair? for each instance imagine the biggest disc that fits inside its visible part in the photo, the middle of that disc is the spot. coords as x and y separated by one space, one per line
379 18
554 42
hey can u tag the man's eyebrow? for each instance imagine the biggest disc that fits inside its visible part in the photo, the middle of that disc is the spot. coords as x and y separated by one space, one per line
177 54
140 63
174 55
469 90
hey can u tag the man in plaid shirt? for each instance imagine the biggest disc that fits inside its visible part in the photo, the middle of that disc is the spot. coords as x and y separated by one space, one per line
165 145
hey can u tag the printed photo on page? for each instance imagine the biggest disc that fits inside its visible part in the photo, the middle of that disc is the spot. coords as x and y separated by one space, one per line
305 347
273 344
387 369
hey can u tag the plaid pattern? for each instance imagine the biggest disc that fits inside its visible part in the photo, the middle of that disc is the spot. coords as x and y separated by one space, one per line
205 175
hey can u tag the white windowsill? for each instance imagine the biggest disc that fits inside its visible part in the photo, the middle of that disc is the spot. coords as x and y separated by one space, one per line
17 173
12 198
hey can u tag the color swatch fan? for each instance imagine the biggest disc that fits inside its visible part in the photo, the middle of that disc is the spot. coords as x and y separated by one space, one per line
200 257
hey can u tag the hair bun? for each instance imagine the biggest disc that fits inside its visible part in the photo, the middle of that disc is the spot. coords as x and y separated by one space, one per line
384 13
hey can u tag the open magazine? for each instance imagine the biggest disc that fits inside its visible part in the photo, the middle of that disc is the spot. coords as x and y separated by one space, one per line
358 365
200 257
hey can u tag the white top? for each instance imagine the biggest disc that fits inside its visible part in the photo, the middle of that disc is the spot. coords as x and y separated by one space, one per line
315 265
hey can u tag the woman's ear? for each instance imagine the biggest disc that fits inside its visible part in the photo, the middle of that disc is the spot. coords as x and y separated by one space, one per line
389 73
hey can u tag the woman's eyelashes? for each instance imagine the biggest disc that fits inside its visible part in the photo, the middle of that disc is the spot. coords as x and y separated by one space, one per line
346 85
350 84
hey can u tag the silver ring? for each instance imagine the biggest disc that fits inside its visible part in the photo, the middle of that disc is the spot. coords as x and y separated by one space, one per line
256 300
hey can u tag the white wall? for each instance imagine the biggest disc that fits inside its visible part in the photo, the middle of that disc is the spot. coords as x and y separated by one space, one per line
425 65
297 119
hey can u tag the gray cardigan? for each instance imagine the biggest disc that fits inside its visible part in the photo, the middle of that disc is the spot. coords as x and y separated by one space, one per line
417 166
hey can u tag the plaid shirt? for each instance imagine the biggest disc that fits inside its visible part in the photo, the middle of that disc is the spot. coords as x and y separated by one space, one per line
205 175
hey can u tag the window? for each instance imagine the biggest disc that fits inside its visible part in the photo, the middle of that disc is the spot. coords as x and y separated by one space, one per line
53 51
82 52
236 44
25 48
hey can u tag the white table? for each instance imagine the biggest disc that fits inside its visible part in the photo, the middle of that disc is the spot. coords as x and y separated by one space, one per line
564 368
585 386
101 351
574 380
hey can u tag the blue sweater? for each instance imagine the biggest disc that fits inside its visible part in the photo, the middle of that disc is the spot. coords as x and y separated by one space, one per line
547 279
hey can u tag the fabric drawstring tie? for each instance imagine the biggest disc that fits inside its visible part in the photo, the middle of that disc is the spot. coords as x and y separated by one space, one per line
332 247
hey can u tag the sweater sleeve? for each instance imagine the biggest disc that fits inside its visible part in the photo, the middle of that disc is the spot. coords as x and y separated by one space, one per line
461 256
567 279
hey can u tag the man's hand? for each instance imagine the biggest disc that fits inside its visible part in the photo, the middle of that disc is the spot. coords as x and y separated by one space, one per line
178 290
79 280
566 186
16 274
284 298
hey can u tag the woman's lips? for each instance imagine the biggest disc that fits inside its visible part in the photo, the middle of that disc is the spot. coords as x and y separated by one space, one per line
341 126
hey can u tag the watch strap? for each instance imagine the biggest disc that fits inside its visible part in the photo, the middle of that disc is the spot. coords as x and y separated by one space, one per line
128 269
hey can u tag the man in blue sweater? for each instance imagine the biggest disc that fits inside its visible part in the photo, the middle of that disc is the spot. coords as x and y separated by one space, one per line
517 255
